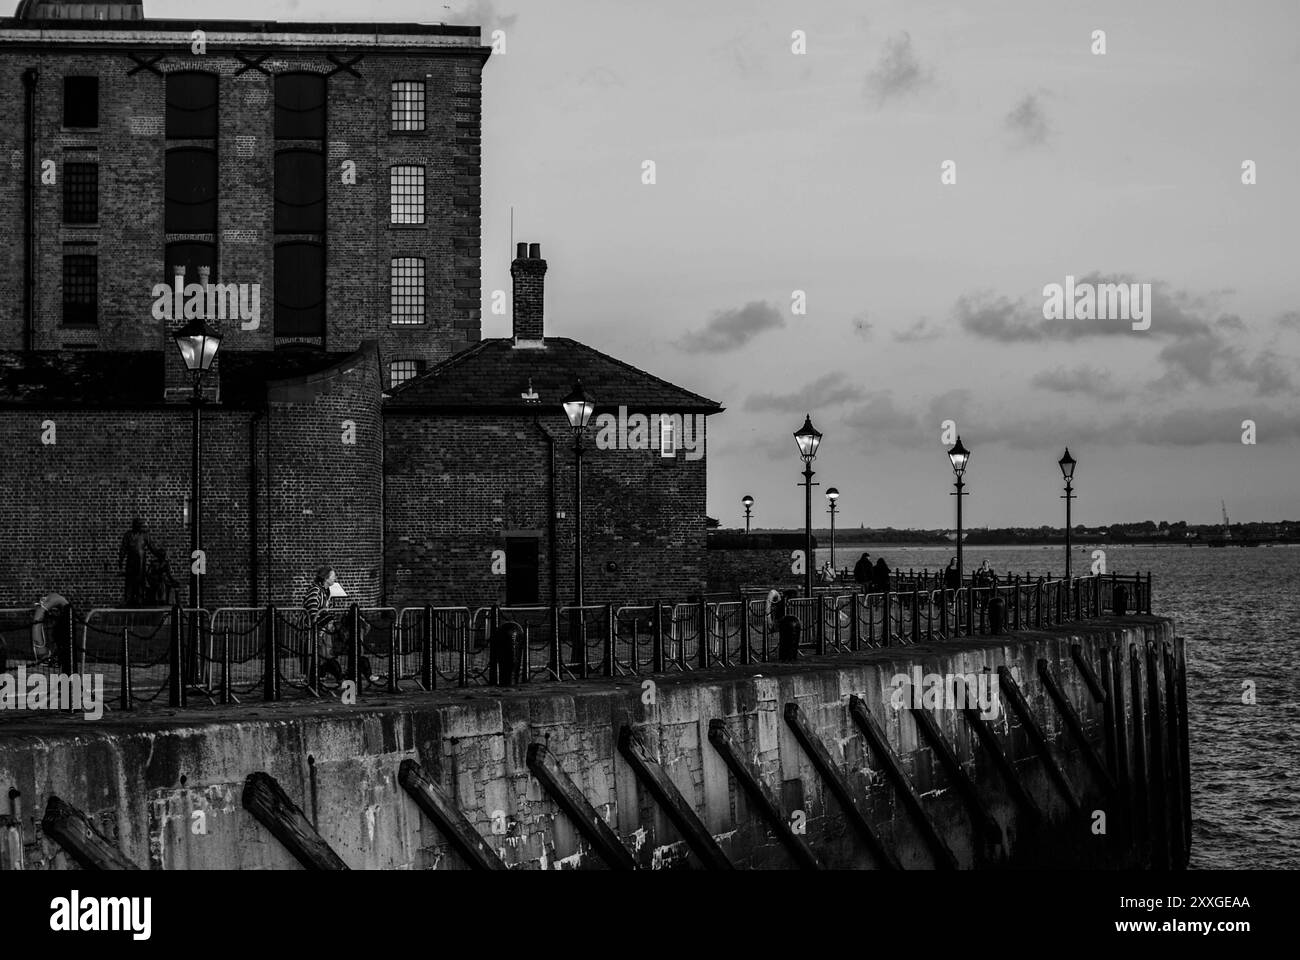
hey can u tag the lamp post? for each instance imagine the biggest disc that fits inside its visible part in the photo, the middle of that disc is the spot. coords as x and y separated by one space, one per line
808 439
578 408
832 495
1066 463
748 501
959 456
198 344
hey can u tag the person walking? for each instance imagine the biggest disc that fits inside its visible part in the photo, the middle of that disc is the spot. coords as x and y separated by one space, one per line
316 603
951 579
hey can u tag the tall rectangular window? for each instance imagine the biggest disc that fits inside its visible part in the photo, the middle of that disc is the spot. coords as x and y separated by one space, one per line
406 194
191 106
80 289
299 191
399 371
81 102
80 192
408 105
408 289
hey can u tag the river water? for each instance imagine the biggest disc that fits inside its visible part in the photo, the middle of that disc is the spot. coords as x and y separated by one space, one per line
1239 610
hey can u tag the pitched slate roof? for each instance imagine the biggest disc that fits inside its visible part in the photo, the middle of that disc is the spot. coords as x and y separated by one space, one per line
493 374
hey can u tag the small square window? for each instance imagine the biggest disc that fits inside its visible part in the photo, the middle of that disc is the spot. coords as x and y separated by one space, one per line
406 195
81 102
408 105
81 193
399 371
408 290
80 288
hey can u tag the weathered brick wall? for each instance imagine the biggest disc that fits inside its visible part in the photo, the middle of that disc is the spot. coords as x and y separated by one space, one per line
327 492
455 485
130 148
67 504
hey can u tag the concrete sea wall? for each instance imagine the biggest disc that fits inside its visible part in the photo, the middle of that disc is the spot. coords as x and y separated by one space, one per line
167 789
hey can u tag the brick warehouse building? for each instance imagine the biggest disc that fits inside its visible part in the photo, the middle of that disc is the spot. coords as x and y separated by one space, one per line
326 177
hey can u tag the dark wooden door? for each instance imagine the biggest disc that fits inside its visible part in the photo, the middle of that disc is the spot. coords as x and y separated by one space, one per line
521 571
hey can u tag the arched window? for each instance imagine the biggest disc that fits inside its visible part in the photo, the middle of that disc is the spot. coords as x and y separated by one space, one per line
299 191
299 106
191 106
300 290
191 191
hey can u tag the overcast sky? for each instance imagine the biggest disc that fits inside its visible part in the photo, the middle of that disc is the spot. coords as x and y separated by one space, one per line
820 172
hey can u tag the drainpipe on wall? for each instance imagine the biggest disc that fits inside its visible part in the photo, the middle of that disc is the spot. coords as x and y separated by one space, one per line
30 76
550 514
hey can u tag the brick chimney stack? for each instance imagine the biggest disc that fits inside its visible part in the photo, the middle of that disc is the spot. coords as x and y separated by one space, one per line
528 271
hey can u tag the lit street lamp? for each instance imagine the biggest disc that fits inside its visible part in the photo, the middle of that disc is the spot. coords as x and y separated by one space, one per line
578 408
198 344
959 456
809 440
832 495
1066 464
748 501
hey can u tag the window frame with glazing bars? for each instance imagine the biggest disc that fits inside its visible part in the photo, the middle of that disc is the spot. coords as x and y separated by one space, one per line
408 103
403 294
413 364
83 314
404 203
80 196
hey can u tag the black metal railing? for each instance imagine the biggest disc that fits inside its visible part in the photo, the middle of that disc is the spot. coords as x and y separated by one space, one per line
274 653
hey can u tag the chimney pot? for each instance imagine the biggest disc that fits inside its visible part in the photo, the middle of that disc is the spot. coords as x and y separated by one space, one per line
534 251
521 251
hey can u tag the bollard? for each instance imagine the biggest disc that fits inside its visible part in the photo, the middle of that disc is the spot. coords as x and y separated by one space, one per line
501 652
789 629
1119 600
997 616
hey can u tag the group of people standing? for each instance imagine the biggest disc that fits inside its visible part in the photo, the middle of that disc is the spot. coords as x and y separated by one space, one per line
873 577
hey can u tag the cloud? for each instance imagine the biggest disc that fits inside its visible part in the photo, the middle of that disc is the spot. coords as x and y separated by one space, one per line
602 78
861 325
732 329
879 421
916 332
1187 427
1086 380
1290 319
1027 123
482 13
899 73
832 389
